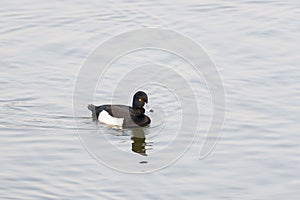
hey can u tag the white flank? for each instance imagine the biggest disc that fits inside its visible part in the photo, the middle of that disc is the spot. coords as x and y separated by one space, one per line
105 118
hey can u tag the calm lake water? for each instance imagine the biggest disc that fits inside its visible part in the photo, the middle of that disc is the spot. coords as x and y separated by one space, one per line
254 45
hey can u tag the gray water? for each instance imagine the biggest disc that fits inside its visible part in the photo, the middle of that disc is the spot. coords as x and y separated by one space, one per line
255 47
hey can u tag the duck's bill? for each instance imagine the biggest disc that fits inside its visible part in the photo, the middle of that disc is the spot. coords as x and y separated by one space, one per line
147 108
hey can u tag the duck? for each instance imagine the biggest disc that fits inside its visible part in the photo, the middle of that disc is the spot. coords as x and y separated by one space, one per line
122 115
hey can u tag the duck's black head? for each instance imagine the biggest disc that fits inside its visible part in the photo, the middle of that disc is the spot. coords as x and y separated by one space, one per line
139 100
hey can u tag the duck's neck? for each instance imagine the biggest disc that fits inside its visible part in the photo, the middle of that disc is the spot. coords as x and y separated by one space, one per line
138 111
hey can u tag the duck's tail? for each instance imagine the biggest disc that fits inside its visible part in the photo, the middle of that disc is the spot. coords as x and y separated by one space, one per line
92 108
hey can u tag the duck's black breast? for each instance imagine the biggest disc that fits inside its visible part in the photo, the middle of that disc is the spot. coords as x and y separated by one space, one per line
132 117
142 120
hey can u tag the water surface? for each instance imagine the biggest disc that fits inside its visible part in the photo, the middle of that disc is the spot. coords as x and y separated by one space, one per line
254 46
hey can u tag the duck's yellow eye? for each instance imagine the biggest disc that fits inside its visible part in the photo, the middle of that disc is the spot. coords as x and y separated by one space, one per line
140 99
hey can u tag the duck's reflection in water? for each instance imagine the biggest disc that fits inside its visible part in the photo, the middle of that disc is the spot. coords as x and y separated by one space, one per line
138 141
